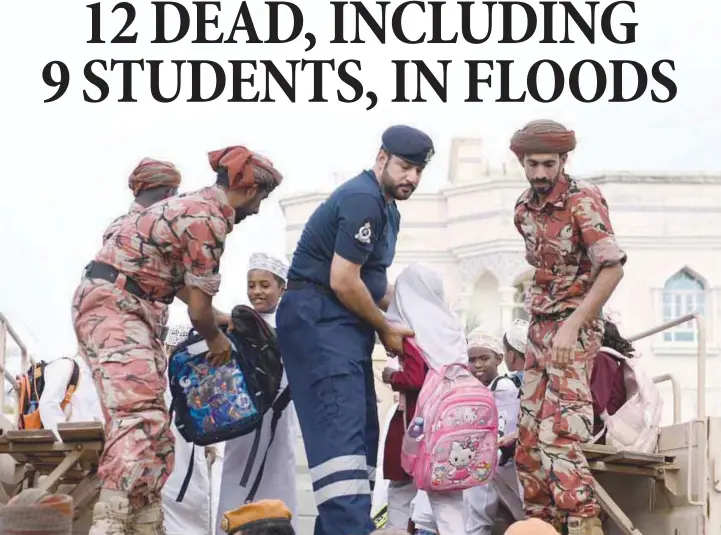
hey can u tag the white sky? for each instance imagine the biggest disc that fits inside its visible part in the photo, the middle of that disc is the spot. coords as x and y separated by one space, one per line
65 164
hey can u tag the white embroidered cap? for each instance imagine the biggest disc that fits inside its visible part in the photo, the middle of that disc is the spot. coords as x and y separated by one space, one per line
480 338
177 334
274 265
517 335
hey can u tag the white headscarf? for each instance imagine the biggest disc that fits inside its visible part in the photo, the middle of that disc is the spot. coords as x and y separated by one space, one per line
177 334
419 303
480 338
273 265
517 335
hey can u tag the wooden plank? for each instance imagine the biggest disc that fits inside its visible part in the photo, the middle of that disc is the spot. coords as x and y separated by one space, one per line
610 455
32 436
46 469
630 458
646 471
594 451
81 431
53 479
23 447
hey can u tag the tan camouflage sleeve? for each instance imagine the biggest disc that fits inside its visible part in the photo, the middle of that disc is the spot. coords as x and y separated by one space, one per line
591 214
204 246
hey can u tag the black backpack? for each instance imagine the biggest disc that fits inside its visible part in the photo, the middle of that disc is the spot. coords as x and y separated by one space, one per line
255 359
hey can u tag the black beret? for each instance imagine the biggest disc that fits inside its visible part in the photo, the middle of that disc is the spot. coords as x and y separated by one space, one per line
408 143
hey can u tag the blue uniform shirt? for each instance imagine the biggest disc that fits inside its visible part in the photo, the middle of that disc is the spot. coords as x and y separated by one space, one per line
357 223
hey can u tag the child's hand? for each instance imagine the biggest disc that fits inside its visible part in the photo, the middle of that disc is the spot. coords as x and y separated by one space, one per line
386 375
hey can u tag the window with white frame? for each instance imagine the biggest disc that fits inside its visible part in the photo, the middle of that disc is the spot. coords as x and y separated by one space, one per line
684 293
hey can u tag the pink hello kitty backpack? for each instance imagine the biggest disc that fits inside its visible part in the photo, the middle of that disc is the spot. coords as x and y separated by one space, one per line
459 445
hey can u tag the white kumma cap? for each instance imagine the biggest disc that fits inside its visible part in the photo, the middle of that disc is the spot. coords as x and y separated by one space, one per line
177 334
274 265
517 335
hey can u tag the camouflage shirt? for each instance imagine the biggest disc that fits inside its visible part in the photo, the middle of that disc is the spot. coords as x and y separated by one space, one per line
115 225
569 239
174 243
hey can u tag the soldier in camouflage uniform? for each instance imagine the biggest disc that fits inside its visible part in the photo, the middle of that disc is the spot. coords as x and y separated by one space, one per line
151 181
570 243
172 248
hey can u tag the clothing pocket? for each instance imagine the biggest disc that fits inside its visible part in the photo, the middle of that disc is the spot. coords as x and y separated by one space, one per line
574 418
327 392
339 392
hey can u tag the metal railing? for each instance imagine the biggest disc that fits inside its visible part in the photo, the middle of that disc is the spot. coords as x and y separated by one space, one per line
5 330
701 372
700 404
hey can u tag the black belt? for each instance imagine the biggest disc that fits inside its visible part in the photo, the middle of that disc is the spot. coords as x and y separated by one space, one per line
300 285
553 316
106 272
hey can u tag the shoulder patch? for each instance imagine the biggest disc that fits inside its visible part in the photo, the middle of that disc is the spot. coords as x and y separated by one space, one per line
365 233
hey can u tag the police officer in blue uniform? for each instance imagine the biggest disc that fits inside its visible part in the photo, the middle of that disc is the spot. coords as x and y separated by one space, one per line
327 320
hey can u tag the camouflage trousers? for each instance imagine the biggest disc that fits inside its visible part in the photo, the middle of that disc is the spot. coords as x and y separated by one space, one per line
556 417
118 336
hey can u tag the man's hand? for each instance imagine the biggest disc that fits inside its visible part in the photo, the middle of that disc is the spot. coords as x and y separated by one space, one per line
386 375
507 440
392 337
211 454
219 350
564 344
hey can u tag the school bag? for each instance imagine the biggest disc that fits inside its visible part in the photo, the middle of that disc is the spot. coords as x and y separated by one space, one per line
635 425
508 403
32 384
216 404
459 445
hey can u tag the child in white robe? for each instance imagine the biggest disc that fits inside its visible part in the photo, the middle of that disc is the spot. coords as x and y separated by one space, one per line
266 282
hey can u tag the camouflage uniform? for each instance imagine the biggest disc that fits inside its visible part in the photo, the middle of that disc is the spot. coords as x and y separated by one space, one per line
174 243
135 208
161 309
568 240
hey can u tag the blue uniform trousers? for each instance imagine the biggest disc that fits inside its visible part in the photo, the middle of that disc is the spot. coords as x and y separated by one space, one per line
327 355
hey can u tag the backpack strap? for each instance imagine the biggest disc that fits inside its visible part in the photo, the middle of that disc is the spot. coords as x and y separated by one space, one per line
24 396
188 476
279 405
72 384
514 379
37 383
604 418
251 325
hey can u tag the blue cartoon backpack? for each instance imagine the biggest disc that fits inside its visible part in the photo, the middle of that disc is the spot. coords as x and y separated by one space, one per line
214 404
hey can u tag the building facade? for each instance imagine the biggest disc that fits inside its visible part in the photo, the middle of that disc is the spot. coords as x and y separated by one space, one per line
667 223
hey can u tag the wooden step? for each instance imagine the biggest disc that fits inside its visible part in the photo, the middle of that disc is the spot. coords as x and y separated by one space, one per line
611 455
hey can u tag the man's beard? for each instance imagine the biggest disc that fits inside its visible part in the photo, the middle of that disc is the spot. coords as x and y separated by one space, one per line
544 186
400 192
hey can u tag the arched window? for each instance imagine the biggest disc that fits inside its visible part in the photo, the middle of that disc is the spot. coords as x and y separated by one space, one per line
684 293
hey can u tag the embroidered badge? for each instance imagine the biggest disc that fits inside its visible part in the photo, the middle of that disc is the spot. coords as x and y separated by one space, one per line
429 155
364 233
